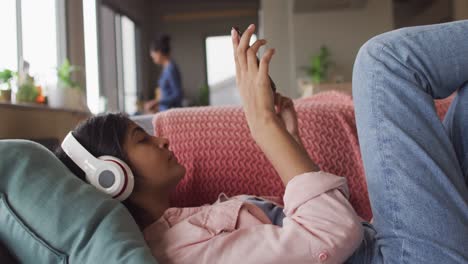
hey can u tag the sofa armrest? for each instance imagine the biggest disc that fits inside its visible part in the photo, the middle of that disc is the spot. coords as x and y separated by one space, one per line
145 122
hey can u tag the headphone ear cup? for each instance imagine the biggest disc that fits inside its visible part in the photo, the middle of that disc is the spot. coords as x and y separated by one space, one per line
124 179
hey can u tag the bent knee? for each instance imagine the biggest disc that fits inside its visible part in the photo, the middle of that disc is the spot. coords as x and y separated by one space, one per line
374 54
372 51
365 63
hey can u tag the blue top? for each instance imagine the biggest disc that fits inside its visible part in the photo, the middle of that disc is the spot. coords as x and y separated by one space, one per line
274 212
171 87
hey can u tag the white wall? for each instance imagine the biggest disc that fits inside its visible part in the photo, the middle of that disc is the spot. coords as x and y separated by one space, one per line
297 36
188 48
343 32
275 25
188 36
438 11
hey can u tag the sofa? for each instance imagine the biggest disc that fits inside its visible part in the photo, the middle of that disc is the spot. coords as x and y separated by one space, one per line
47 214
215 146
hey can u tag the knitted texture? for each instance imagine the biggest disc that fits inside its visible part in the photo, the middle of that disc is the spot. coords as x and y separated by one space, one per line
215 146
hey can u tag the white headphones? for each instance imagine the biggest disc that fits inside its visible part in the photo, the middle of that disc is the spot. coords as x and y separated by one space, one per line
108 174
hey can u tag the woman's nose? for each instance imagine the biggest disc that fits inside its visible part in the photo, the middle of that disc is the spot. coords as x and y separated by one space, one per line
163 142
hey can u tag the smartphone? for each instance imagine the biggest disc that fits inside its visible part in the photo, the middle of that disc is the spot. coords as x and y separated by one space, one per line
273 85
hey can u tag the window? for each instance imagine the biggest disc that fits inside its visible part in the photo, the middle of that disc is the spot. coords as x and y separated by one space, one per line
8 42
129 71
39 38
111 41
30 33
221 70
91 56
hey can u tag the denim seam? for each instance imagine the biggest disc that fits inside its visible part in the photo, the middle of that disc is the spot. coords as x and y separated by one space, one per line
381 139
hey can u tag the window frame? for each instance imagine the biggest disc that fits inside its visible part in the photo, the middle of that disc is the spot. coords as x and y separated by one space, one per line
60 23
117 101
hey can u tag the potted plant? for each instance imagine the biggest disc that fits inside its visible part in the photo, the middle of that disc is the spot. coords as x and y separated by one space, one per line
27 91
317 71
67 93
6 77
204 95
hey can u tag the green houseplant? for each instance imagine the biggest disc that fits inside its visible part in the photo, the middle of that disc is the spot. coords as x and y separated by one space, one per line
6 77
64 74
204 95
317 72
319 65
27 91
67 93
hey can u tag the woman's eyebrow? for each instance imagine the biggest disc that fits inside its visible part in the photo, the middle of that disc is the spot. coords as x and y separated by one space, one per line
137 129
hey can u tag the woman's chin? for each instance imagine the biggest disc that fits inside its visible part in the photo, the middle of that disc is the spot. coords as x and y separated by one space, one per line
180 172
183 170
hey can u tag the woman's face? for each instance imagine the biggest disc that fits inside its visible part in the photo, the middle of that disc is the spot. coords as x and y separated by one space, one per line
156 56
154 165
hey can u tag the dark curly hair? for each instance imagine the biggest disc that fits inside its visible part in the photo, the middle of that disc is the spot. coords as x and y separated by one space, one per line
162 44
101 135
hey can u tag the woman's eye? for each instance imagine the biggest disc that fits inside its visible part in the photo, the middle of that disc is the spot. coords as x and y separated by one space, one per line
143 139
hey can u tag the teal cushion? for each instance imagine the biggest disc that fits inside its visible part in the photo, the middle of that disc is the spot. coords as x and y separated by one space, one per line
48 215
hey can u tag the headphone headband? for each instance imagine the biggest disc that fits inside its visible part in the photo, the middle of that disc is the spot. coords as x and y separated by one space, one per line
80 156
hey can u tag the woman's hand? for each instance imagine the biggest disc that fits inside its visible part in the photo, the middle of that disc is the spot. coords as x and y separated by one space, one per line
252 79
271 130
287 115
151 107
284 107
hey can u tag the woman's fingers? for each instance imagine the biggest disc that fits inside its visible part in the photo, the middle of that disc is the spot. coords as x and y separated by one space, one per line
287 102
235 44
277 102
252 59
254 87
235 39
265 62
243 46
282 102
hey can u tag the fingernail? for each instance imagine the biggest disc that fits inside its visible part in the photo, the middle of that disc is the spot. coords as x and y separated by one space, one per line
251 26
232 31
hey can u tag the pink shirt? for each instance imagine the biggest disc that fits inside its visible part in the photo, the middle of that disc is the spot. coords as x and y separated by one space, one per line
320 227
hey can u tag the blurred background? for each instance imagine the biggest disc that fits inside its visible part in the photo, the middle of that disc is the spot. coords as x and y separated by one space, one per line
62 60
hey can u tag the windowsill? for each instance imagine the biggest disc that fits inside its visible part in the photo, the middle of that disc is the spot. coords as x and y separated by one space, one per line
32 106
31 121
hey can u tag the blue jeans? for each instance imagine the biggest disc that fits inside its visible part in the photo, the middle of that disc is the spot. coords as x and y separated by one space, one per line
416 168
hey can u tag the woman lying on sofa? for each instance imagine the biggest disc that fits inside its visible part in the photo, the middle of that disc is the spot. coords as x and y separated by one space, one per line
416 170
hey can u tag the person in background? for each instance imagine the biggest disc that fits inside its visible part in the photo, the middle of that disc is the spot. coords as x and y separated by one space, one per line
169 83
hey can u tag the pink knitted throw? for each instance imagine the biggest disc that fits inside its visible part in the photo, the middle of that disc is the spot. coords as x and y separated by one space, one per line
215 146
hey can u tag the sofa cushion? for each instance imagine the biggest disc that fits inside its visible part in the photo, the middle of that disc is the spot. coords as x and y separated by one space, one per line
47 215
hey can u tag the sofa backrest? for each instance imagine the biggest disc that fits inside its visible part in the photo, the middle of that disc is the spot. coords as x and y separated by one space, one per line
215 146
